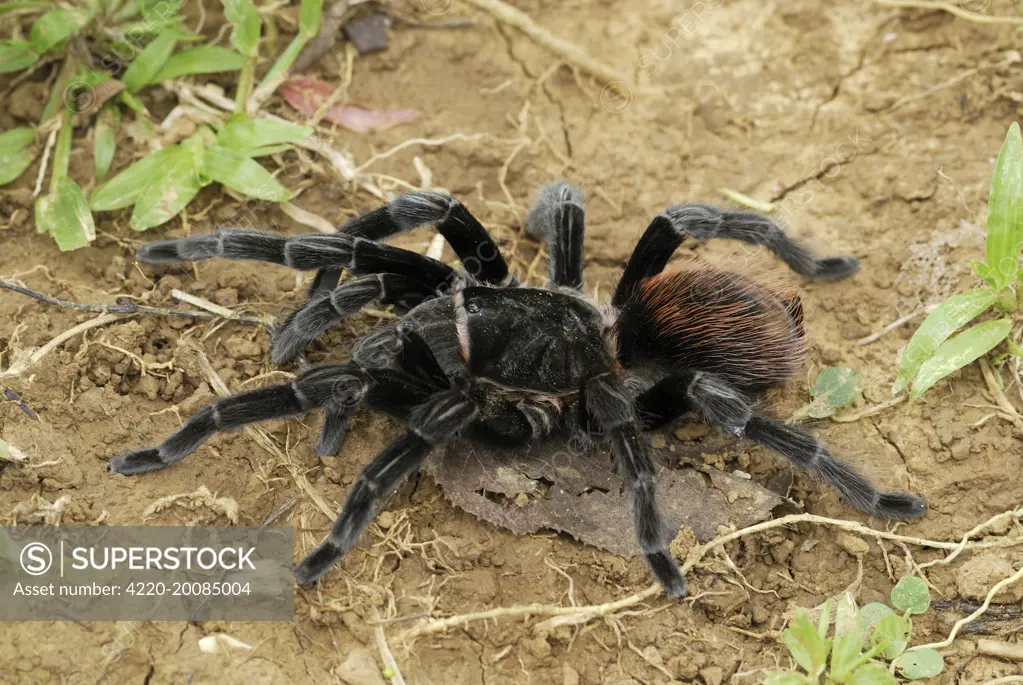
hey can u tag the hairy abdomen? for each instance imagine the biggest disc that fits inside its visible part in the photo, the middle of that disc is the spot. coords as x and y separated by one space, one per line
713 320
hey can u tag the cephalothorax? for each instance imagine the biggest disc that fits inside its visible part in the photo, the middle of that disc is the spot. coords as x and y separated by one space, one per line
477 356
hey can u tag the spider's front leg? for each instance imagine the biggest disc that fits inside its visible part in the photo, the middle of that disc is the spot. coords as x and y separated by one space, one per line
608 403
558 218
436 421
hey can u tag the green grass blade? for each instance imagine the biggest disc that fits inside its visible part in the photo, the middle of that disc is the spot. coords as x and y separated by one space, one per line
55 26
1005 211
105 143
169 190
247 176
16 153
65 215
958 352
149 62
22 5
158 9
243 16
149 27
950 316
205 59
16 55
248 135
309 17
124 189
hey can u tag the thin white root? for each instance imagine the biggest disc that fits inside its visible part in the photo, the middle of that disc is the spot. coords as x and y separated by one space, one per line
22 362
1005 582
583 614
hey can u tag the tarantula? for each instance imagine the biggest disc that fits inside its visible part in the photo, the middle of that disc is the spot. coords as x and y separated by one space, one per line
478 355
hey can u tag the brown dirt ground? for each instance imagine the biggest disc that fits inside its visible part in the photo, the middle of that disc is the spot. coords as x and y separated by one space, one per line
849 115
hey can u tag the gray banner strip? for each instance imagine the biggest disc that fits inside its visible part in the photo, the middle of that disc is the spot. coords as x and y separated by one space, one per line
150 573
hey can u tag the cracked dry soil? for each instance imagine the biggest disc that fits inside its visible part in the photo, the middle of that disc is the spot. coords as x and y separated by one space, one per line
833 110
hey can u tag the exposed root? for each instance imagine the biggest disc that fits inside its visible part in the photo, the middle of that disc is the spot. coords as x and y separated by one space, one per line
26 359
129 308
569 52
562 615
976 614
1010 412
952 9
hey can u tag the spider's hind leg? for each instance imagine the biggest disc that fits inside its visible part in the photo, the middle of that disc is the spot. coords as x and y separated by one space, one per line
674 225
723 405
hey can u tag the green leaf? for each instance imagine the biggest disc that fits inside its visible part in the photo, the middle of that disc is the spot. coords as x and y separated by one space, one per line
872 613
946 319
958 352
149 62
1005 211
848 638
168 191
16 55
247 176
105 143
248 135
825 618
787 679
807 647
834 388
245 18
65 215
873 674
205 59
893 632
911 595
309 17
920 663
16 153
54 26
124 189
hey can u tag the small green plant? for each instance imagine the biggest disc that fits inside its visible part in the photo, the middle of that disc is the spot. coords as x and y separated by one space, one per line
138 40
835 387
932 354
862 640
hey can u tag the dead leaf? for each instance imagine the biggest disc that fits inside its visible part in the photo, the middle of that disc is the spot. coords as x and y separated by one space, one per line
575 490
306 95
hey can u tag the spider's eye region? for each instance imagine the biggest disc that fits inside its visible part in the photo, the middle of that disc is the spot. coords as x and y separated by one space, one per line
474 305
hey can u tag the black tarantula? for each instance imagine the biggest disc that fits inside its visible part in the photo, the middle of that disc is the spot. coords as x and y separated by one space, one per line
476 354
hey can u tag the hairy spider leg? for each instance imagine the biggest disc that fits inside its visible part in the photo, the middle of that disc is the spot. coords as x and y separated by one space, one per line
436 421
558 218
723 405
340 387
325 310
674 225
608 403
479 254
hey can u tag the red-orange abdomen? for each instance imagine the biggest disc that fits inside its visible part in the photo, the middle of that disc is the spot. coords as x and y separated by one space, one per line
707 319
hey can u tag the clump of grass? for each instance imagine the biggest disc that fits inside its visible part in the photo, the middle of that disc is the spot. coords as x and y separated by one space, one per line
140 41
932 354
866 645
